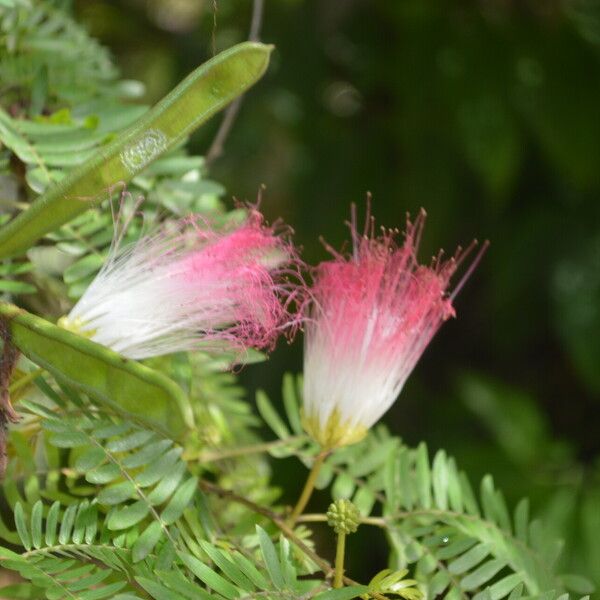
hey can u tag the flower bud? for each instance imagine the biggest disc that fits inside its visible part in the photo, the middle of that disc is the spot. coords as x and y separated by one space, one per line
343 516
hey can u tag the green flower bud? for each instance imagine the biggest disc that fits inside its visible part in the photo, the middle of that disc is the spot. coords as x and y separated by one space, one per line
343 516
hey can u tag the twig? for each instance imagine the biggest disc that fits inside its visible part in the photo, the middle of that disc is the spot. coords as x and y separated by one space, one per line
216 148
322 518
205 456
279 522
276 519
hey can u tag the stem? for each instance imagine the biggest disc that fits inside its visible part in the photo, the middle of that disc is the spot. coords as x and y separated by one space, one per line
25 380
309 486
322 518
205 456
338 578
278 521
216 148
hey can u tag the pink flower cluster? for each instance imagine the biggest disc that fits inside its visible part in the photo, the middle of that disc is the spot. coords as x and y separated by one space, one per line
368 316
192 287
371 317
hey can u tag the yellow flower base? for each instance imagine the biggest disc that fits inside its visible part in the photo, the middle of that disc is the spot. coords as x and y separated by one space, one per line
336 432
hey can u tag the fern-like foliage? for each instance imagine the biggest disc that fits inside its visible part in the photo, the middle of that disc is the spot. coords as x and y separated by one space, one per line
97 498
95 505
39 41
458 543
55 113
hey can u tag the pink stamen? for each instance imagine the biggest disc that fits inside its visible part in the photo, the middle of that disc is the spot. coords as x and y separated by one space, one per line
371 317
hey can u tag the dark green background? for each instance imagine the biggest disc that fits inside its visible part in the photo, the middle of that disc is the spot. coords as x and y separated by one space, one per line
488 115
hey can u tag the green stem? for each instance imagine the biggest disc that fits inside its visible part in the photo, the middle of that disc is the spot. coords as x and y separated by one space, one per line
309 486
338 578
204 456
25 380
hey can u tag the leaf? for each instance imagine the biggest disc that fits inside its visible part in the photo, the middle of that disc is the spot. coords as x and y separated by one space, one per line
66 525
578 584
522 520
36 524
233 572
440 480
469 559
197 98
130 388
16 287
123 518
90 459
116 494
345 593
502 588
157 590
51 523
269 414
147 541
290 402
250 571
103 474
209 577
177 582
423 475
180 501
21 526
271 561
482 574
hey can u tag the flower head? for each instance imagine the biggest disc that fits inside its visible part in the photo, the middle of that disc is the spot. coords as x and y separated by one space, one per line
370 318
188 288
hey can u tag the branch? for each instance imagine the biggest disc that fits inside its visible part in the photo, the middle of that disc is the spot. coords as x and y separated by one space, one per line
280 523
218 143
205 456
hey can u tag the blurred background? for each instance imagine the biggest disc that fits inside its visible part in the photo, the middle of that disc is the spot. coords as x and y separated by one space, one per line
487 114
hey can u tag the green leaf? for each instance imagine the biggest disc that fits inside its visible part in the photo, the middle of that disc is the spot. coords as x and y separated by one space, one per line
116 494
158 469
231 570
66 525
180 501
167 485
177 582
103 474
423 475
250 571
82 268
469 559
21 526
147 541
36 524
51 523
158 591
502 588
522 520
440 480
90 459
269 414
270 556
578 584
209 577
290 402
132 389
123 518
345 593
197 98
16 287
482 574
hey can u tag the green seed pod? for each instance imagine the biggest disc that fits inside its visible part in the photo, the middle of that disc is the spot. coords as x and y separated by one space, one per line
343 516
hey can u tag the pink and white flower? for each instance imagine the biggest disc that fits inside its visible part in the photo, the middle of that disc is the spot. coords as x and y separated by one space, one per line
370 318
191 287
